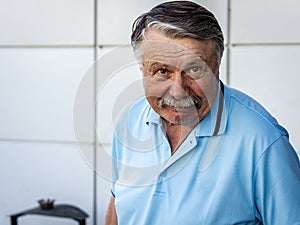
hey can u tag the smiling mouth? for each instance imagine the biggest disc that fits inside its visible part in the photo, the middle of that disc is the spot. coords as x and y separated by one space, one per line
180 104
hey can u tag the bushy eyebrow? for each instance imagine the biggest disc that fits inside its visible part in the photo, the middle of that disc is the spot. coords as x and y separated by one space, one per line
159 64
196 63
193 61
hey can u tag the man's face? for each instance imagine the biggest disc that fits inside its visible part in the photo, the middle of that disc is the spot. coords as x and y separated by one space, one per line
180 77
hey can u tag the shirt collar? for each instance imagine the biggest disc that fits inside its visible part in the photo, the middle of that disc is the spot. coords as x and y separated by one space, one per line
153 117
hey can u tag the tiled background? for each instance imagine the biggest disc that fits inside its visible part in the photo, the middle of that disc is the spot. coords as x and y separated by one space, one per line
48 144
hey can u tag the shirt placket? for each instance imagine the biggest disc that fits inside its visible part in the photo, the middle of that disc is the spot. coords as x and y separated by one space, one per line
175 165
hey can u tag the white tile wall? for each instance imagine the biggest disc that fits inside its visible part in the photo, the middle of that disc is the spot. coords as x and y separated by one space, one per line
223 67
116 17
31 171
47 22
270 75
265 21
38 89
120 82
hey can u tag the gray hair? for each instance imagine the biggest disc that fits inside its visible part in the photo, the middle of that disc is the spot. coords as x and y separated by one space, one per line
179 19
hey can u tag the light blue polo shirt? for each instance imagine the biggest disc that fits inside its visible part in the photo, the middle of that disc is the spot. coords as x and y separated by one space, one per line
246 174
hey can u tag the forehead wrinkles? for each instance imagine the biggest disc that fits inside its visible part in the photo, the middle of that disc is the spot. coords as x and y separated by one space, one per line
169 53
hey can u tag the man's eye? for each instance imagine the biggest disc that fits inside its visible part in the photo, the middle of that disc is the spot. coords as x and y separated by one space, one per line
196 72
195 69
162 71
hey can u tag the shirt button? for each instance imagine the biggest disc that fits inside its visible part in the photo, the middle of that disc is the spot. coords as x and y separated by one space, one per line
164 174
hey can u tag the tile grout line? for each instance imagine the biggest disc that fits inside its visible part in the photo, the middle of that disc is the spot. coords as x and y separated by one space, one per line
44 46
95 147
265 44
41 141
98 46
228 63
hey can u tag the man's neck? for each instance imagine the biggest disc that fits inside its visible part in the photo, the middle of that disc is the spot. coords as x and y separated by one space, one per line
176 134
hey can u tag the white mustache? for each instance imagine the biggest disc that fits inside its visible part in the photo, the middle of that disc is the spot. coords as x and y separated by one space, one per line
181 103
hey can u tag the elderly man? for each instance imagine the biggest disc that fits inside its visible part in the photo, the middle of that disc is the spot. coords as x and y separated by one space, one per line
194 151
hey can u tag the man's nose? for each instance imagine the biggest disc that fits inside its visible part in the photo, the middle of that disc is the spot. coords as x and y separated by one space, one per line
178 86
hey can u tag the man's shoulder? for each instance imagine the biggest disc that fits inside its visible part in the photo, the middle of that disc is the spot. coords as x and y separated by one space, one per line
251 114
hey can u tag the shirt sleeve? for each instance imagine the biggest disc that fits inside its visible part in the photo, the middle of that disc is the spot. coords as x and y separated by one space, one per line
114 166
277 185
